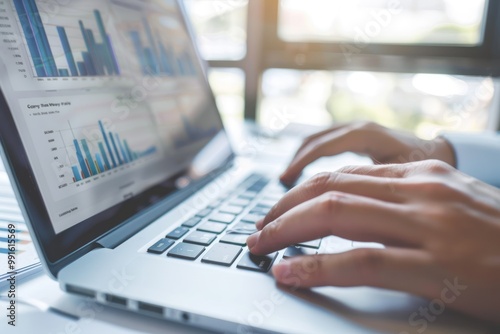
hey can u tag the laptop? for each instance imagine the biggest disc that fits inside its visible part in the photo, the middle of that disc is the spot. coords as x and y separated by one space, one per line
128 182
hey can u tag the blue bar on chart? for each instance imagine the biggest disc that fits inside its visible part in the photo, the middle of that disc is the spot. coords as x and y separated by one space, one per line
157 59
122 150
67 51
77 176
120 162
88 155
81 160
63 72
36 56
97 59
100 166
104 155
103 132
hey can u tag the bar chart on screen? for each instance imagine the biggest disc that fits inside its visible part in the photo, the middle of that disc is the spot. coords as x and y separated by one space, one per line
156 58
87 44
80 142
93 153
72 46
157 41
89 52
110 152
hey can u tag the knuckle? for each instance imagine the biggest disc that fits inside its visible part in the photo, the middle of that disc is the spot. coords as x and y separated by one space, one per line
348 169
427 184
438 214
437 167
272 230
319 183
307 145
331 202
311 265
446 217
438 189
313 144
308 271
365 125
308 139
434 187
368 262
273 212
316 268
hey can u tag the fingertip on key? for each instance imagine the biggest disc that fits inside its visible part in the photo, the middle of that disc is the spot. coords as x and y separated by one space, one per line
252 240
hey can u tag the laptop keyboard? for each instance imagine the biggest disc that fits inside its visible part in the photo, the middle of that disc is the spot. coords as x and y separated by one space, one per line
218 233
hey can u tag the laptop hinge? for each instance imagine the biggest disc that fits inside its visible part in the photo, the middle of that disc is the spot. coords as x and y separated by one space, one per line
132 226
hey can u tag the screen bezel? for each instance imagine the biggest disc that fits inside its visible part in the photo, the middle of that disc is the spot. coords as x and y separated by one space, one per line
56 250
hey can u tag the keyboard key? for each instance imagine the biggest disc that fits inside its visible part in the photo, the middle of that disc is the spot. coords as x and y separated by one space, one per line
259 210
160 246
240 202
222 254
248 195
266 203
311 244
273 196
235 210
192 222
186 251
252 218
258 186
257 262
235 239
293 251
252 178
220 217
243 228
178 233
215 204
212 227
205 212
200 238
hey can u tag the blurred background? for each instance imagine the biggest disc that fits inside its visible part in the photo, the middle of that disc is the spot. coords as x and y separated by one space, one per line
420 65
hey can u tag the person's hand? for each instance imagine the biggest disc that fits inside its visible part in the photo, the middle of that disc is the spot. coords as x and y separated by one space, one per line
441 230
381 144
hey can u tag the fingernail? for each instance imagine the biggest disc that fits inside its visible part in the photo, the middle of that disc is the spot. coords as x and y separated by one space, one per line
282 270
252 240
259 224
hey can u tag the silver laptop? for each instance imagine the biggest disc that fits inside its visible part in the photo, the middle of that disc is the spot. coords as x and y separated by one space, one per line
127 179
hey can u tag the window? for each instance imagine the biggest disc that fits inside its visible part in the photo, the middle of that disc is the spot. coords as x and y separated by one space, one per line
221 32
221 27
381 21
424 103
228 86
404 63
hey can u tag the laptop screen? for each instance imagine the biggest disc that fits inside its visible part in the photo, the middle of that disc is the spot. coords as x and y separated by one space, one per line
108 97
